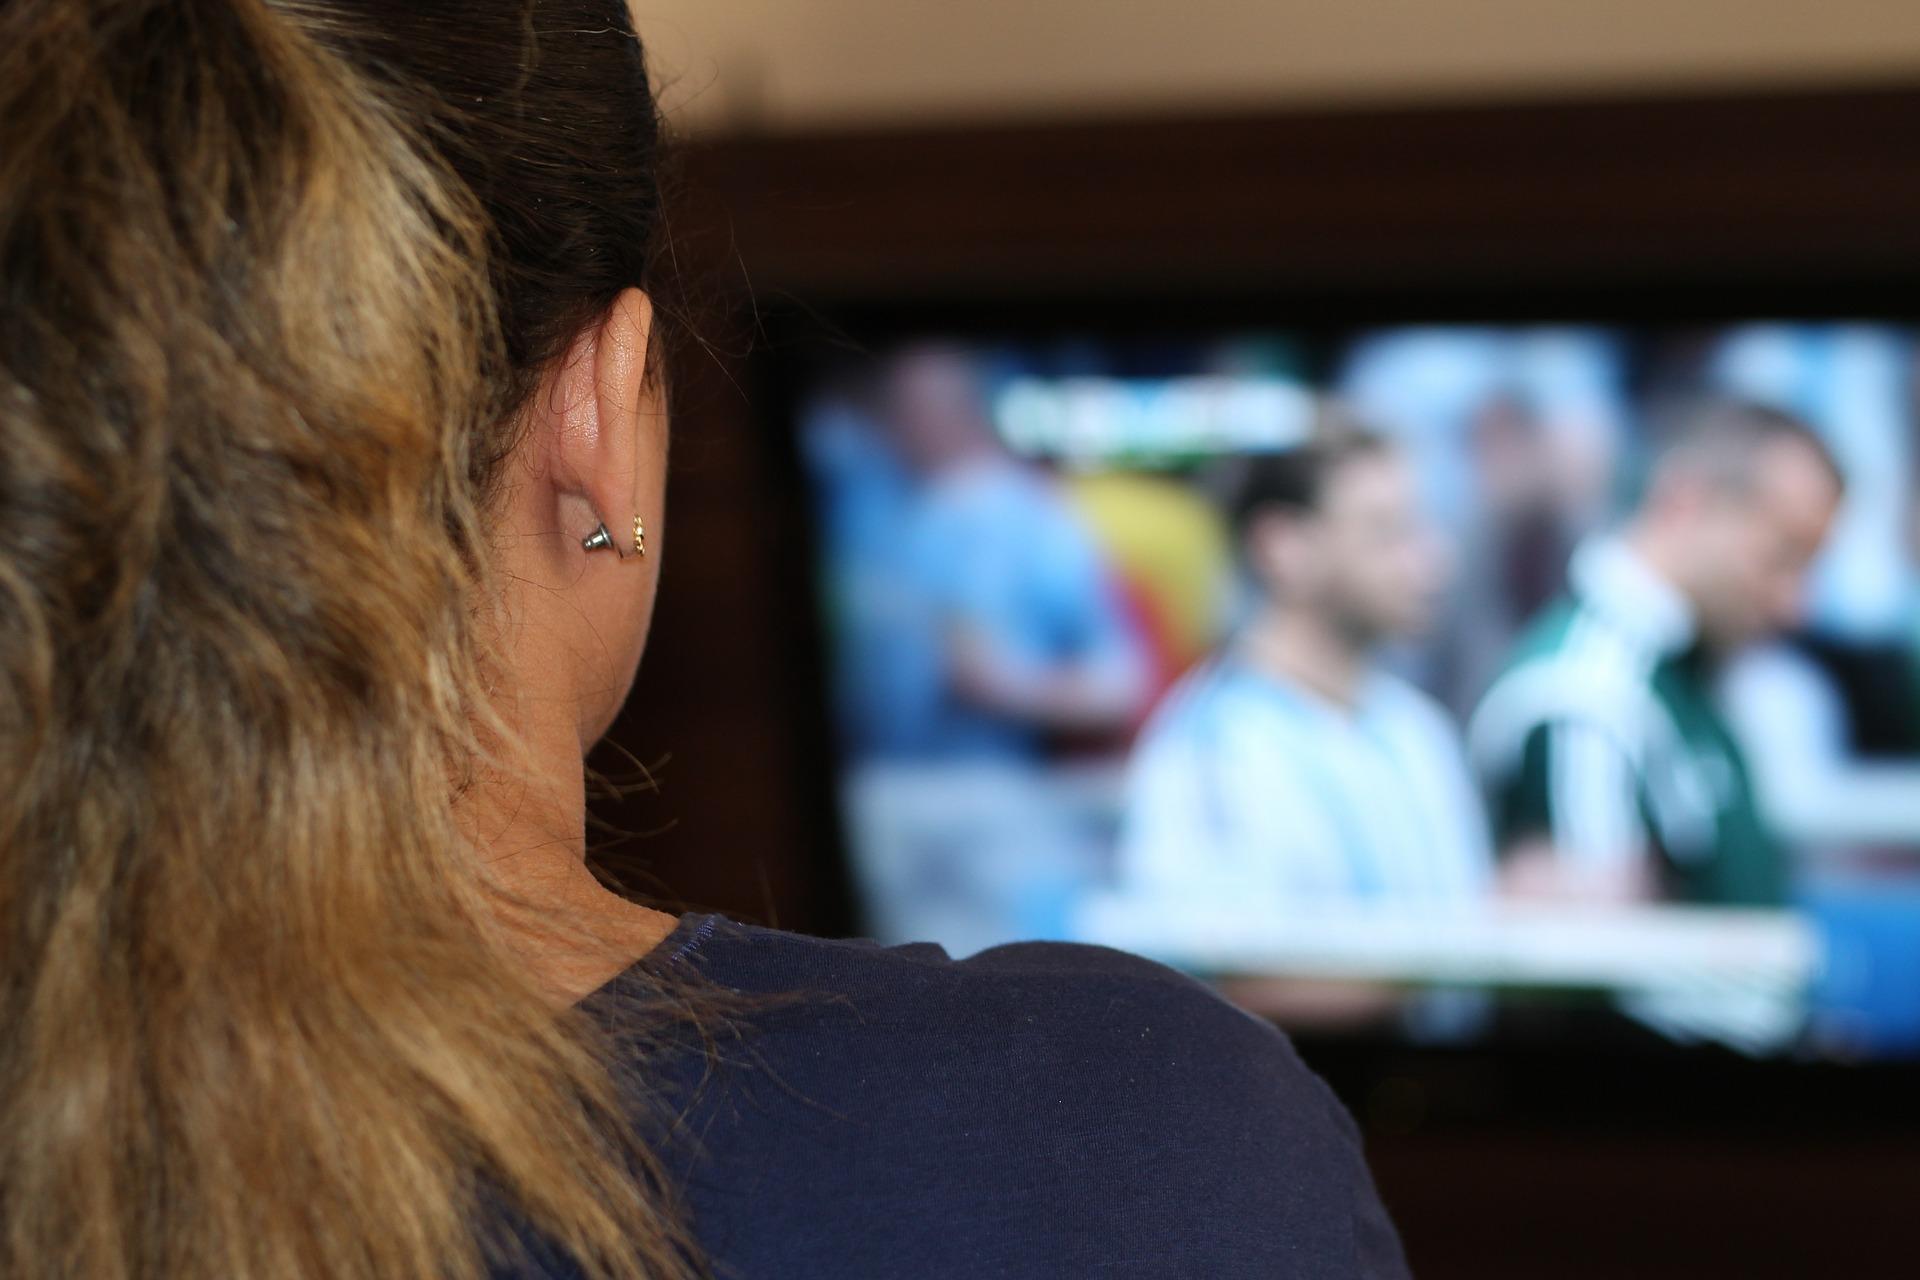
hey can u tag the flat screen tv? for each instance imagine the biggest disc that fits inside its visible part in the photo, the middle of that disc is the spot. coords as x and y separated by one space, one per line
1451 682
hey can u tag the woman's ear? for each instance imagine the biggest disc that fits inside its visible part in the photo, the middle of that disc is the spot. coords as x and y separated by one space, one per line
604 445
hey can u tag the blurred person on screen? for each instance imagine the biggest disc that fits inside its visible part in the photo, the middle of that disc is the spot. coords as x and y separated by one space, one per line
1514 435
1291 772
1612 773
1828 718
1031 637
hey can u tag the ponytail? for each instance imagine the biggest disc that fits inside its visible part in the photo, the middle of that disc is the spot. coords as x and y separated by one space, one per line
260 343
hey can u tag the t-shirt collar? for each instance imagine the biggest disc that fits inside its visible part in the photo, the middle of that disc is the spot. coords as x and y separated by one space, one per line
1612 579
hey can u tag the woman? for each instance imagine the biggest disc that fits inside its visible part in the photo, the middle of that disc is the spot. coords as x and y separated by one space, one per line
330 518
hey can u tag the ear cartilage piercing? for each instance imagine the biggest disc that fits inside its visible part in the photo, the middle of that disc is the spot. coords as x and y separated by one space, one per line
598 540
639 537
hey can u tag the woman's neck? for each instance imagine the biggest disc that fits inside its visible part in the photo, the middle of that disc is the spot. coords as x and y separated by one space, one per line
572 932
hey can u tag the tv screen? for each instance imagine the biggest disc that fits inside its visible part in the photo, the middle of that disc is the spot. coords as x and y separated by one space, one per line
1441 679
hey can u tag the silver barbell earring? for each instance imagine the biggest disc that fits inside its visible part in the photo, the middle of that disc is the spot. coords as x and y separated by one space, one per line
601 540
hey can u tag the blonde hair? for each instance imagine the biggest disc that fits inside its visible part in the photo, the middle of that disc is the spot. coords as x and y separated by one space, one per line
276 277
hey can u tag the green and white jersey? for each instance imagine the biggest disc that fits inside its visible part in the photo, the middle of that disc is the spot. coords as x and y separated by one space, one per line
1603 737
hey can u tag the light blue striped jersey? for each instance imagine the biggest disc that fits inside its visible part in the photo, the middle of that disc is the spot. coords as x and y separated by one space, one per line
1248 789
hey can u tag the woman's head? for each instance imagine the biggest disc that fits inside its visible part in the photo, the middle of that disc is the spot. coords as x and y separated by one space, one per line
544 113
326 337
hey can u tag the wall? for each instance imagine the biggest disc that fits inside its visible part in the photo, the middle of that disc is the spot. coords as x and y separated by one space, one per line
786 64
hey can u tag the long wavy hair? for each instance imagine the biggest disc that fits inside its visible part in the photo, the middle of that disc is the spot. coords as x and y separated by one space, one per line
275 278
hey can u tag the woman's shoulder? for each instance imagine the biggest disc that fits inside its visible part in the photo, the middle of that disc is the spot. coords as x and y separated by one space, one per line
752 957
1070 1106
1031 995
1034 1001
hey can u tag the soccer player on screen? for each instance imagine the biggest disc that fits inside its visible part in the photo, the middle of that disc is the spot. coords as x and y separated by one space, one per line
1025 620
1612 773
1290 772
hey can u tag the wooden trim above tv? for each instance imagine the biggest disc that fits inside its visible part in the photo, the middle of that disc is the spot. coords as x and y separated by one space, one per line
1778 187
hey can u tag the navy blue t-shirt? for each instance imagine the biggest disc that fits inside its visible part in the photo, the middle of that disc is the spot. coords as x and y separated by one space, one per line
1037 1110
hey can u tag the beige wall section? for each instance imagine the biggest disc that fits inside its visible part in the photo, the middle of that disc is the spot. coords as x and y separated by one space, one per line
796 63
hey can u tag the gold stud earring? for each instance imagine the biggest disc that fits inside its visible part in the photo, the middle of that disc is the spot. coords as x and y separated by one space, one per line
639 537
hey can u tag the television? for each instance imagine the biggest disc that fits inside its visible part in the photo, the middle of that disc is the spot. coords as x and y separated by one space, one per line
1112 653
